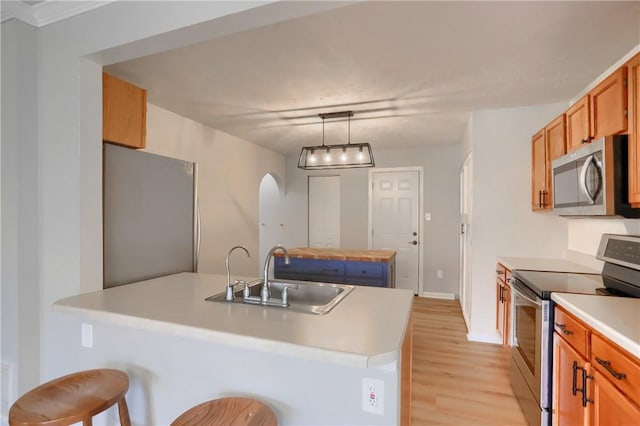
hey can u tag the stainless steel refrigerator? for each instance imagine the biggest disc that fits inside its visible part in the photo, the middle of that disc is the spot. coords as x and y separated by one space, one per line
150 215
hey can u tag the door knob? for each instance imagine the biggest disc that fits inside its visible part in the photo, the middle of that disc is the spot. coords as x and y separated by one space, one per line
414 242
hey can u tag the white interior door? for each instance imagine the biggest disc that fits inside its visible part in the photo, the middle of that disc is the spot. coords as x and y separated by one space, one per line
465 237
324 211
395 210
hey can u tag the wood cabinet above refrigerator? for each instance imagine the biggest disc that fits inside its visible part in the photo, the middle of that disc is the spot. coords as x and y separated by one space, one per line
124 112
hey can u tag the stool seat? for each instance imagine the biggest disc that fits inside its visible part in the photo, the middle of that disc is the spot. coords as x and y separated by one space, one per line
73 398
233 411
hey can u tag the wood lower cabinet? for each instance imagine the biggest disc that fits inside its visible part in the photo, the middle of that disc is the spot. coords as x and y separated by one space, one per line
633 69
503 303
608 406
567 401
124 112
595 382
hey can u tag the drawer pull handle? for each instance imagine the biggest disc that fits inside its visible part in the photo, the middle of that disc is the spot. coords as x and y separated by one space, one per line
563 328
607 366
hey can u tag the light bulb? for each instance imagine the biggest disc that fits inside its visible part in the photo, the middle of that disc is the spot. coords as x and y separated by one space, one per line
360 156
327 156
343 157
312 158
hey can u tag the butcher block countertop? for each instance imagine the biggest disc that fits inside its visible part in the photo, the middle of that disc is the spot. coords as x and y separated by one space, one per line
340 254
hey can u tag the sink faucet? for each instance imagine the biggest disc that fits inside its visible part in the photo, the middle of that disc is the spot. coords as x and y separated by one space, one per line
229 295
265 294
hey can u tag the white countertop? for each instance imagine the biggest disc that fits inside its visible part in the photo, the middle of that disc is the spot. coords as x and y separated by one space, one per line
365 329
542 264
617 318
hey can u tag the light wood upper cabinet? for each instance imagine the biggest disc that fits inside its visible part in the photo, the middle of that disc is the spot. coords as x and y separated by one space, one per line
539 173
546 145
602 112
634 130
124 112
578 131
608 105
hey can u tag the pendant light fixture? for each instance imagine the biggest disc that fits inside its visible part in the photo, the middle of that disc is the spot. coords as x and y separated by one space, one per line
343 156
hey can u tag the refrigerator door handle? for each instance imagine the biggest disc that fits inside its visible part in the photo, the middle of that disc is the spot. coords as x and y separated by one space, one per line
197 218
196 259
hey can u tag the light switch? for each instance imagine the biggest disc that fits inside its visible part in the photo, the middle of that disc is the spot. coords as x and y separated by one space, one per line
427 217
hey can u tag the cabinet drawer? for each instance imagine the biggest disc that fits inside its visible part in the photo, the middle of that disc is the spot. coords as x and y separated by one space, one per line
309 267
616 366
576 334
364 270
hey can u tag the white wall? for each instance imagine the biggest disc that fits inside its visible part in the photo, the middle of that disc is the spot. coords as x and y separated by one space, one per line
272 223
20 346
441 191
584 234
54 105
503 223
230 171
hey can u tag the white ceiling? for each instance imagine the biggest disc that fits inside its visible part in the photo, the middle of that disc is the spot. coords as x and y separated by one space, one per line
410 71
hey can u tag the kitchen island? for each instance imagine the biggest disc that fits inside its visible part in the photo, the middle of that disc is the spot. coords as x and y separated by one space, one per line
180 350
376 268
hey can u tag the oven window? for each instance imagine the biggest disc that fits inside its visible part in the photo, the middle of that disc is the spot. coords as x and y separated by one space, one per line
525 330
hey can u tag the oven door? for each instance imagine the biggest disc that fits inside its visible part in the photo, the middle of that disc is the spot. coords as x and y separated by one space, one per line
531 346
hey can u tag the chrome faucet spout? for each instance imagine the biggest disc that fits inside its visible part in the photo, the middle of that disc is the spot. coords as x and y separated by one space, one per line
229 294
265 293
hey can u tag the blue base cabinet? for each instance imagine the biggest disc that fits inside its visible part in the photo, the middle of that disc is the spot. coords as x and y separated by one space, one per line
374 274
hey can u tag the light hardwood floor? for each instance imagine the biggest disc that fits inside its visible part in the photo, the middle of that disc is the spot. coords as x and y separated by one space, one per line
457 382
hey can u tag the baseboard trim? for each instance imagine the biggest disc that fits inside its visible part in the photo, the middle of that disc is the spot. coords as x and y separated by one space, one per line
434 295
484 338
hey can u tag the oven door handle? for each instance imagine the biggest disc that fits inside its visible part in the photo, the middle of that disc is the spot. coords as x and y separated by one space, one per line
535 302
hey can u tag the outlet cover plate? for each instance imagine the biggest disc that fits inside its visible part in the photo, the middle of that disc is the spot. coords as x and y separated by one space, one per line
373 396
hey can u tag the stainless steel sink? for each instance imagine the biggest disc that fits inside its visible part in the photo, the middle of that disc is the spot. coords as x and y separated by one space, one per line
309 297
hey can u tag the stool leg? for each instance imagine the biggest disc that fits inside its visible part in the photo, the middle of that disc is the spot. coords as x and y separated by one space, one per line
123 411
87 422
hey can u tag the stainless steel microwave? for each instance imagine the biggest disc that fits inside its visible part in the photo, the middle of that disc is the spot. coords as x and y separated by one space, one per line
593 180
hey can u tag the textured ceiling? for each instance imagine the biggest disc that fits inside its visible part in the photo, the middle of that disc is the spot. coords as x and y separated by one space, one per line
410 71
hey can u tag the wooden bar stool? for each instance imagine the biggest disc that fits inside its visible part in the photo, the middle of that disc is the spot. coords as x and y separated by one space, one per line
73 398
234 411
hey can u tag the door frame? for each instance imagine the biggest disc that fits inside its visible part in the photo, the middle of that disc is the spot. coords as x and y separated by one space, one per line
464 274
420 171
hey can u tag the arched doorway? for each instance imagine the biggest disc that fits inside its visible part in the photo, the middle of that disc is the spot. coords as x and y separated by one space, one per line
270 216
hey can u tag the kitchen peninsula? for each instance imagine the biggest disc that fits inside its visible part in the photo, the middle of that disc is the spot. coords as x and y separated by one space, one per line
180 350
375 268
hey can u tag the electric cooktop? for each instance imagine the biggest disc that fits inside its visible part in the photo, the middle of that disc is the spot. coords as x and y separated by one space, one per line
620 274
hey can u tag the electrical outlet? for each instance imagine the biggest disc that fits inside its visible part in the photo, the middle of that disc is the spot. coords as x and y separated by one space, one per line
440 273
373 396
87 335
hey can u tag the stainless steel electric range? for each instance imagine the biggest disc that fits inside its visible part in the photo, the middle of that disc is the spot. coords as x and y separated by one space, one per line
532 345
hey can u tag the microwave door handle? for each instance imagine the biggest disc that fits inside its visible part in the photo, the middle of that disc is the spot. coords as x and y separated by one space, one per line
583 179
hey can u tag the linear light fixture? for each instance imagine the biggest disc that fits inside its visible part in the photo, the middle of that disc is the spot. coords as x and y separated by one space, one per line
342 156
